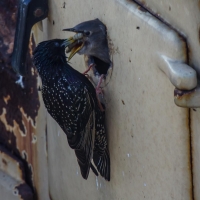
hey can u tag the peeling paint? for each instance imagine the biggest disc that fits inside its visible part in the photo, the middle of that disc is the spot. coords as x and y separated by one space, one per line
6 99
20 81
34 138
24 155
19 100
24 192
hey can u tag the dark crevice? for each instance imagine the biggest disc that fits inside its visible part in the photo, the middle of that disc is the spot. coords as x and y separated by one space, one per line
191 153
50 197
101 67
46 138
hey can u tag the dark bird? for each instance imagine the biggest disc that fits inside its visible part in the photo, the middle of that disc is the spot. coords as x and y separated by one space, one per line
70 98
91 40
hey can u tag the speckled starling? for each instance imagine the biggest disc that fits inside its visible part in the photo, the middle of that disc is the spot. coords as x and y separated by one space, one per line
91 40
71 100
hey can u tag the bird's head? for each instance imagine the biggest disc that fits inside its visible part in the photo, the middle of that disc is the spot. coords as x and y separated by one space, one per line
90 39
50 52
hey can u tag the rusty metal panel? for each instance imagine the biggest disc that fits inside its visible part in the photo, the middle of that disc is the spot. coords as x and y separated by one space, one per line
12 177
148 135
20 132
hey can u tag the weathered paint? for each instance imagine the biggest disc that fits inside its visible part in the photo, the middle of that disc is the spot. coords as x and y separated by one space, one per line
12 173
143 6
130 145
187 98
19 100
183 15
148 136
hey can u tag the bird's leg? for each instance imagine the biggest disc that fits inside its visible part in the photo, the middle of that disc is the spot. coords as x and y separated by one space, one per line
89 68
100 91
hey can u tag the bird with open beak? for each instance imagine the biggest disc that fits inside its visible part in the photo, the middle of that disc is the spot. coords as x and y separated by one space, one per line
70 98
91 40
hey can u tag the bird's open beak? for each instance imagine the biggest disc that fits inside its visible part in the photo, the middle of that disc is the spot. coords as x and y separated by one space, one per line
75 43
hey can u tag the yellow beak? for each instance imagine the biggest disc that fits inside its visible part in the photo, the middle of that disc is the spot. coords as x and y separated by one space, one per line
74 50
73 44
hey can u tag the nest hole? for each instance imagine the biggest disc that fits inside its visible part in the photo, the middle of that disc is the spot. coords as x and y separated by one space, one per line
101 67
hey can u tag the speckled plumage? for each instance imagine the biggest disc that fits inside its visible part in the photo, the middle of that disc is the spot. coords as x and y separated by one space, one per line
71 100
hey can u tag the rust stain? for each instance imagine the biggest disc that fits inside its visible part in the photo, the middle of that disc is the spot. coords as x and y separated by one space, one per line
178 93
141 9
8 158
18 105
4 162
183 94
38 12
24 192
191 153
6 99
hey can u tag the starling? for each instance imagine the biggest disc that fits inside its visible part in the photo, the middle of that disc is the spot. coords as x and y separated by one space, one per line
91 40
70 98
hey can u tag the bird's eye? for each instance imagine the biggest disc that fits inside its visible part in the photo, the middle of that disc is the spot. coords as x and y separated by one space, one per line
87 33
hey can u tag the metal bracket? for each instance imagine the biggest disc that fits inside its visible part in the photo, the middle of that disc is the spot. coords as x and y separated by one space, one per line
29 13
180 74
184 78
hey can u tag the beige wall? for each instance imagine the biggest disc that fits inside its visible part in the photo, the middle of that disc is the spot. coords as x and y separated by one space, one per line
149 136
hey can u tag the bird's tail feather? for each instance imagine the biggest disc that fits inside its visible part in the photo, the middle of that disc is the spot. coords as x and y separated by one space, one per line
94 169
84 166
102 163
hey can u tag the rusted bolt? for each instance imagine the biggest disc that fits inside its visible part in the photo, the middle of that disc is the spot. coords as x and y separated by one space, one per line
38 12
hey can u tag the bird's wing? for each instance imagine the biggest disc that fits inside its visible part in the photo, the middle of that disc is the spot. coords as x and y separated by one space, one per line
83 141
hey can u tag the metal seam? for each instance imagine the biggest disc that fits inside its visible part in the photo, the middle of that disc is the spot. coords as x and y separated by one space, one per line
145 8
